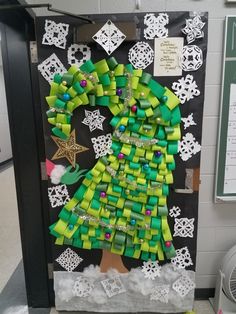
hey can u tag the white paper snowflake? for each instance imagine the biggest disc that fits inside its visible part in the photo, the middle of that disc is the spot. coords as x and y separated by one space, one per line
183 285
83 51
156 25
94 120
188 121
82 287
188 146
174 211
182 258
193 29
102 144
109 37
151 269
58 195
69 260
113 286
141 55
184 227
55 34
160 293
51 66
192 58
186 88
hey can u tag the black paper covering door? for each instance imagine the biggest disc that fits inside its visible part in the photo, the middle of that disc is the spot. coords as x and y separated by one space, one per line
78 282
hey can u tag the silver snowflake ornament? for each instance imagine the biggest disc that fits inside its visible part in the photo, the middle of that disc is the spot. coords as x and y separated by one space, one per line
186 88
188 121
183 285
113 286
82 287
184 227
55 34
188 147
156 25
160 293
182 259
58 195
151 269
141 55
193 29
94 120
69 260
192 58
51 66
174 211
102 145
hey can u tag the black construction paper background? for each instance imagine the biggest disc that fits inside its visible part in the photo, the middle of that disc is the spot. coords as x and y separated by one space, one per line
187 202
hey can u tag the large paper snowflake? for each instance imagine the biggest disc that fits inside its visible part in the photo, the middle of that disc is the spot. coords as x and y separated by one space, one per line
69 260
83 51
51 66
160 293
113 286
188 146
58 195
82 287
156 25
188 121
102 145
192 58
94 120
109 37
151 269
182 258
186 88
174 211
193 29
55 34
184 227
141 55
183 285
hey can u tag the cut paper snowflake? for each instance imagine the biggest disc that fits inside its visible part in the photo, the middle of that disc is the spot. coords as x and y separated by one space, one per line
141 55
58 195
55 34
188 147
182 258
113 286
109 37
184 227
83 51
192 58
186 88
183 285
188 121
94 120
82 287
51 66
174 211
102 144
151 269
156 25
193 29
69 260
160 293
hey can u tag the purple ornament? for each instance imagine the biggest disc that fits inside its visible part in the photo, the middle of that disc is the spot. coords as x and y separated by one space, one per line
119 92
83 83
107 236
148 212
103 194
121 156
158 154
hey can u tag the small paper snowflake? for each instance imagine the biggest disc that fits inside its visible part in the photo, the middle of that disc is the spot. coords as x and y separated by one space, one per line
184 227
102 145
109 37
58 195
69 260
183 285
141 55
51 66
82 287
174 211
182 258
55 34
188 146
156 25
186 88
188 121
113 286
193 29
160 293
151 269
83 51
192 58
94 120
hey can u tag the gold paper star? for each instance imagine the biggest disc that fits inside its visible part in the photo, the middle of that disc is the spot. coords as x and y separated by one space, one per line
68 148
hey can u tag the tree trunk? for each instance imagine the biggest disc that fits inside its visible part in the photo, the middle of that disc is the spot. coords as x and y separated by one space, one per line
110 260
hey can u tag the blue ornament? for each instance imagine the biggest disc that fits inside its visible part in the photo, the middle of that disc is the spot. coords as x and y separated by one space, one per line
132 222
146 166
164 99
121 128
71 227
66 97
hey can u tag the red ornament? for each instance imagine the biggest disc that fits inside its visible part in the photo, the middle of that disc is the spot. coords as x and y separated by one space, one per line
134 108
168 244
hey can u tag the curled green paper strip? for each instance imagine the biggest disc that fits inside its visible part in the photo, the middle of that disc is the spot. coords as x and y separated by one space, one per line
69 177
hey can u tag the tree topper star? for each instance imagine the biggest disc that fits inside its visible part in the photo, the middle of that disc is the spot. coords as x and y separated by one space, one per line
68 148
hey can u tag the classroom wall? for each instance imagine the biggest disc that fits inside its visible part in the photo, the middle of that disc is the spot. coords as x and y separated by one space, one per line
217 223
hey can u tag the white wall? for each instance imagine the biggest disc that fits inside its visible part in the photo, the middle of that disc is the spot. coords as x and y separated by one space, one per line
217 223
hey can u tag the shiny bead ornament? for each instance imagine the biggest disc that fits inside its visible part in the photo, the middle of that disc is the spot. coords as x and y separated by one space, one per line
146 166
83 83
107 236
134 108
103 194
164 99
158 154
168 244
148 212
66 97
132 222
121 156
119 92
70 227
121 128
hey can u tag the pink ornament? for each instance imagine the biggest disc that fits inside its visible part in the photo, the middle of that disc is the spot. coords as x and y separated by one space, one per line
168 244
121 155
107 236
148 212
134 108
83 83
103 194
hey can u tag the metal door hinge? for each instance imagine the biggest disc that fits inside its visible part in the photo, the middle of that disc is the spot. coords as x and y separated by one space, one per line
50 270
43 169
33 52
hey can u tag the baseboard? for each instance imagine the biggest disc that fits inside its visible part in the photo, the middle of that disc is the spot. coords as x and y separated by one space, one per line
204 294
